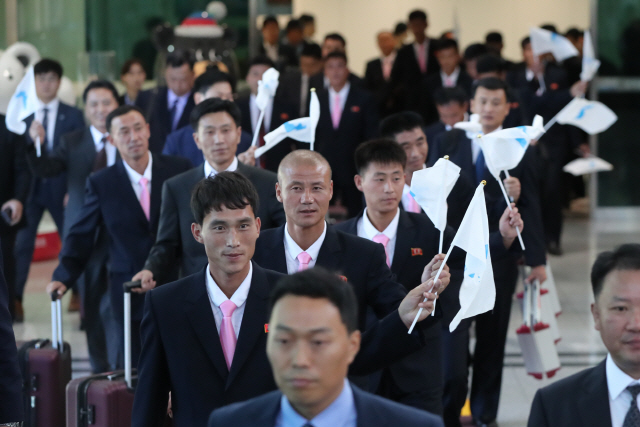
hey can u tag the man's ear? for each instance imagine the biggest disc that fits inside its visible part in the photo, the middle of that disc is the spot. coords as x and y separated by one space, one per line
196 231
358 180
595 312
278 192
354 344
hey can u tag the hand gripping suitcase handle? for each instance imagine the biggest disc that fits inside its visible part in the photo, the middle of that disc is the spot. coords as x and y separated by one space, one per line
127 287
56 322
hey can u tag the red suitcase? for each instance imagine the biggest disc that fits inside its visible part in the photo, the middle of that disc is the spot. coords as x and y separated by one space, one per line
46 370
105 400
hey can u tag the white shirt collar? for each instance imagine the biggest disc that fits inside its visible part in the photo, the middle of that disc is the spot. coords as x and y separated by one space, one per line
239 297
343 92
389 58
52 106
294 250
617 380
453 76
529 74
210 171
135 176
97 137
371 231
171 97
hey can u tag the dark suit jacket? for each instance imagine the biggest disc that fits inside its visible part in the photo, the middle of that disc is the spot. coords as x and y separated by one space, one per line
317 81
406 76
431 132
579 400
154 104
10 377
372 411
53 190
430 84
181 143
287 56
131 235
175 244
381 89
280 113
15 178
457 146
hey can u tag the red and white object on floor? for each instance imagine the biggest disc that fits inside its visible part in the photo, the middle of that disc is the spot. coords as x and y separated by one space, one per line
547 315
536 337
550 285
47 246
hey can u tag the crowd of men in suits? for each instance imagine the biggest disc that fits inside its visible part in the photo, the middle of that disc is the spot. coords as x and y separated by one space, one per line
163 186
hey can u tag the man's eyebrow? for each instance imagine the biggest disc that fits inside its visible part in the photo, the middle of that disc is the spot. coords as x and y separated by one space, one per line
312 331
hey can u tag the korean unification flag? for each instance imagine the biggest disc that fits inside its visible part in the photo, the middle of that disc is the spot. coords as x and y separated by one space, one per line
22 104
590 64
591 116
302 129
544 41
587 165
503 150
430 188
267 87
472 127
478 289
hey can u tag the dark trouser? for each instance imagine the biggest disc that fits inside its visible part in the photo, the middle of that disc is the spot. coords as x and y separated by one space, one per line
553 192
8 241
26 239
455 370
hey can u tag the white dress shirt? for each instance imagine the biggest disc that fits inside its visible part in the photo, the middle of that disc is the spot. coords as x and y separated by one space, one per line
52 118
475 147
109 148
387 61
368 231
292 250
255 114
406 197
424 47
271 51
453 77
239 297
343 94
182 102
304 93
529 74
135 177
210 171
619 396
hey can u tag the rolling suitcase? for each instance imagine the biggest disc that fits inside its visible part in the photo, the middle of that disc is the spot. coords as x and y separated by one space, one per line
46 370
106 399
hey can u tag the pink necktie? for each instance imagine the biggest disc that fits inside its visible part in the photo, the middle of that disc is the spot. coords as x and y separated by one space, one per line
449 82
384 240
386 68
303 259
337 111
422 59
145 199
227 334
413 205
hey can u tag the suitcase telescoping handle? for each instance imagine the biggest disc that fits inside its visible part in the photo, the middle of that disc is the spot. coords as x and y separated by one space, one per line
127 329
56 322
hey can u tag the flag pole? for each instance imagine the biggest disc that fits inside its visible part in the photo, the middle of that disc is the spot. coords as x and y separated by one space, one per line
38 149
312 143
444 180
506 198
258 127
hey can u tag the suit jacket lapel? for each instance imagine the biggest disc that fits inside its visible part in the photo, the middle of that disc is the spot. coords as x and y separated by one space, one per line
593 398
276 246
253 320
159 174
404 239
200 315
328 257
128 195
61 116
88 148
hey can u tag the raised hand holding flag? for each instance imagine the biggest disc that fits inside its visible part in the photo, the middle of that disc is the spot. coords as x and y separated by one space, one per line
23 103
267 87
544 41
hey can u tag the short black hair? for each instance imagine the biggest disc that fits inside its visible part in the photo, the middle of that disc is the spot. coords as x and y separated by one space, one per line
445 95
492 83
337 37
270 20
100 84
313 50
493 37
319 283
445 43
400 122
121 111
525 41
47 65
210 78
418 14
336 54
231 190
574 32
294 25
401 27
475 50
178 58
624 257
126 67
261 60
214 105
549 27
383 151
307 19
490 63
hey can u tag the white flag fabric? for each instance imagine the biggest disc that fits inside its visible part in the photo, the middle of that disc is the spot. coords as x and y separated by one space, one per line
302 129
267 87
472 127
590 63
544 41
587 165
23 103
478 289
430 188
503 150
535 130
591 116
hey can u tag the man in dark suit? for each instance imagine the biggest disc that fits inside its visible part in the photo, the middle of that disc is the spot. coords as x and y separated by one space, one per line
79 154
218 133
15 181
226 363
276 113
210 84
607 394
11 405
413 63
294 85
167 108
294 37
377 77
490 102
333 42
130 216
348 117
491 65
314 308
52 120
452 105
282 55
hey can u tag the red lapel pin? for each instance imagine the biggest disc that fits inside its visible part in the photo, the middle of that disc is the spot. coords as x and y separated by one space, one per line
554 86
284 116
355 109
266 328
343 278
416 251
